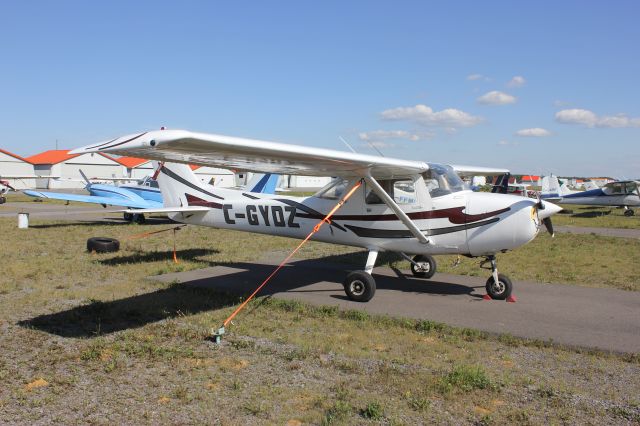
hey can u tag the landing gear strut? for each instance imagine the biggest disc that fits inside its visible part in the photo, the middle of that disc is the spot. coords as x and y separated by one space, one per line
360 286
498 286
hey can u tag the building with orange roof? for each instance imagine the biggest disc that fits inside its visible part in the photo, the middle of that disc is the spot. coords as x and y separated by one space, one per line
58 169
16 170
135 168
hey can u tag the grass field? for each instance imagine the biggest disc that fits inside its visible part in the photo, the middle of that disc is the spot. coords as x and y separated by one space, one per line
597 217
88 339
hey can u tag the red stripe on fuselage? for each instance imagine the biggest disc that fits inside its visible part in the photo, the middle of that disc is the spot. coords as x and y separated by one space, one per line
454 214
192 200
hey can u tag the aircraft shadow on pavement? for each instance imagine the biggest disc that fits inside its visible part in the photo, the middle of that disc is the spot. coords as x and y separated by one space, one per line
211 293
104 222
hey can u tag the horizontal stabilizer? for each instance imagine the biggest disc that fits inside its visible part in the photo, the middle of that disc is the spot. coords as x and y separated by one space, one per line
189 209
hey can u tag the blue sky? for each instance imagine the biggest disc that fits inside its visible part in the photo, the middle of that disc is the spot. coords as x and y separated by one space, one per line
538 87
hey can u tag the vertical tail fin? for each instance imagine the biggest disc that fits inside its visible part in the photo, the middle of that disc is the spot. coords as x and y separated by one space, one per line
551 186
501 186
177 180
263 183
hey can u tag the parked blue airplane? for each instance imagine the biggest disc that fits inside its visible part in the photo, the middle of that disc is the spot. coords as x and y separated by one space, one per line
624 193
145 194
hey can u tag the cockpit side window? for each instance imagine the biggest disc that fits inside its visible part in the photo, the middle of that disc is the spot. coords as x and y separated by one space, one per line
615 189
402 191
631 188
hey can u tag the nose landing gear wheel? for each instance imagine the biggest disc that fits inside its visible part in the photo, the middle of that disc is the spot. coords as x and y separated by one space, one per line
425 268
500 290
359 286
629 212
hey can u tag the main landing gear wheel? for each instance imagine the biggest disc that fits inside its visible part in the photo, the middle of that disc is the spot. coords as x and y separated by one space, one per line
138 218
629 212
128 217
359 286
424 266
500 290
3 200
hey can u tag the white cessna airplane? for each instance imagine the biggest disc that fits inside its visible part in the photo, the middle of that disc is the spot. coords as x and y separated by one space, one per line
409 207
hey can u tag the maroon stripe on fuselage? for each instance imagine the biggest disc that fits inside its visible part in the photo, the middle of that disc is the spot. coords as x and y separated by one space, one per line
454 214
195 201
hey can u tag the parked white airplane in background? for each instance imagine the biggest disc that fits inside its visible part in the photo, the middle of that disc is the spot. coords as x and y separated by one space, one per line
442 216
620 194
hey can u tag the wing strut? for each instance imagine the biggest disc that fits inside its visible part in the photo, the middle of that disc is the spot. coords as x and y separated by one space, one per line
380 192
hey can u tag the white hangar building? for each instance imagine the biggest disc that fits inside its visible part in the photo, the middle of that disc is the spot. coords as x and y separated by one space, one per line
138 168
60 170
16 170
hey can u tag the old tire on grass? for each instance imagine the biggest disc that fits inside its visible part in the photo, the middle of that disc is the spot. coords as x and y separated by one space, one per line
359 286
103 245
426 268
500 291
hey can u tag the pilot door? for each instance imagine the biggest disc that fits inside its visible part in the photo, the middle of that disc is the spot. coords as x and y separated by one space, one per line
410 196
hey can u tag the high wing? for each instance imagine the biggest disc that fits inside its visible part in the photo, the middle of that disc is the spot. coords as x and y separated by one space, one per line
469 171
123 202
182 146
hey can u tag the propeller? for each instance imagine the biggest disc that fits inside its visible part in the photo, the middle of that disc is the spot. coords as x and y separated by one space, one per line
549 226
6 183
86 179
546 218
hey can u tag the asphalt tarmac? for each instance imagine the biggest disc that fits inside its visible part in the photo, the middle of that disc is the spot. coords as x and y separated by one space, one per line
605 319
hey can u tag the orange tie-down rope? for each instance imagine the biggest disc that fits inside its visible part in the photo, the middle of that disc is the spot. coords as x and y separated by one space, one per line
146 234
316 228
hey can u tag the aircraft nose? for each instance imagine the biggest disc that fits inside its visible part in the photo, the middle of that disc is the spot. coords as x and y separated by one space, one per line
547 209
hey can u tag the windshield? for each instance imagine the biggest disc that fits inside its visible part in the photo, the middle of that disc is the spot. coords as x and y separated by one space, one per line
442 180
333 190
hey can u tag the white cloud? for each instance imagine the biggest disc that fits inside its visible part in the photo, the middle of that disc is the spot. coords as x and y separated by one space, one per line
535 132
380 144
475 77
517 81
426 116
507 143
379 135
590 119
496 98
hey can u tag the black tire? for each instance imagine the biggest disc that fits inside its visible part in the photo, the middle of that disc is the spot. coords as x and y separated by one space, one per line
359 286
502 290
128 217
3 200
102 245
629 212
139 218
427 266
